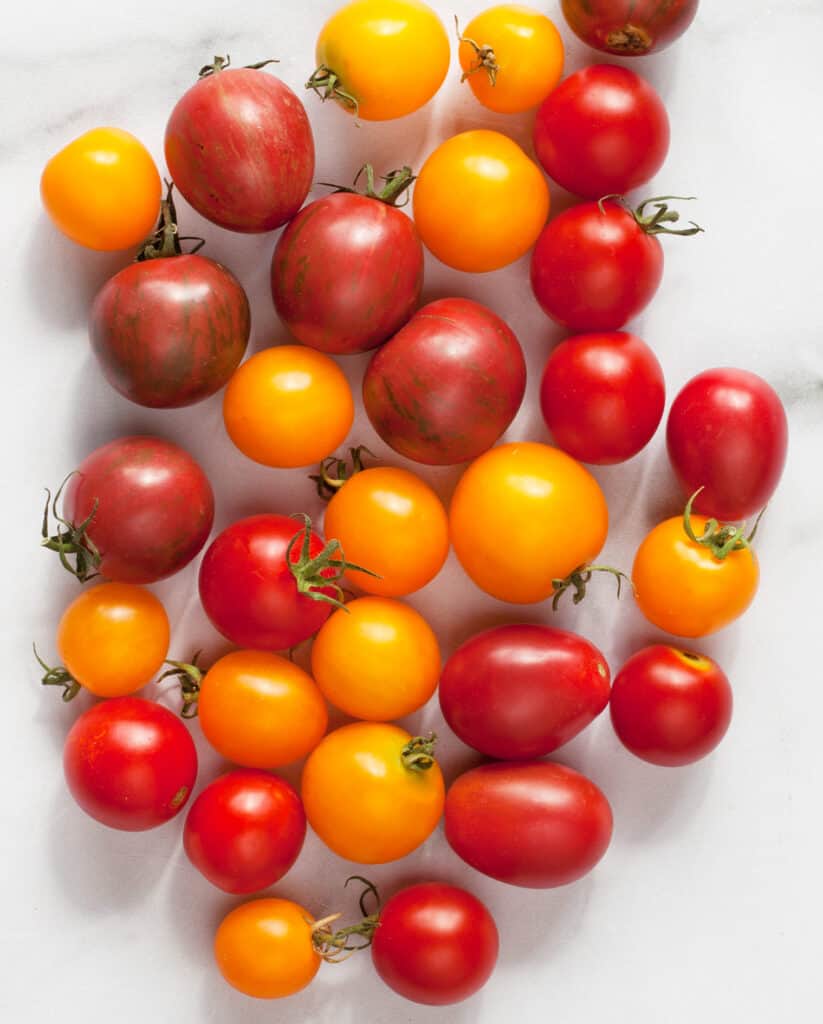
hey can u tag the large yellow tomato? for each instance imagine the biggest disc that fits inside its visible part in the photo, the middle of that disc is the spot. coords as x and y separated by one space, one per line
381 59
103 190
288 406
512 57
480 202
524 515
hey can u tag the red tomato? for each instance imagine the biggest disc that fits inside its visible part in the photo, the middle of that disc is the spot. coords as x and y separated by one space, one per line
670 707
602 396
240 148
629 28
130 763
435 944
447 385
536 824
137 510
245 830
522 691
602 131
347 272
727 433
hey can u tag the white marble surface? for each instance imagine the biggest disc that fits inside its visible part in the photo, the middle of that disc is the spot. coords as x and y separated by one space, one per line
707 906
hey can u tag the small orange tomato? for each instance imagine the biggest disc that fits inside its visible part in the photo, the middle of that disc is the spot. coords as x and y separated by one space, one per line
376 659
288 406
524 515
393 523
260 710
372 792
103 190
480 202
265 949
512 57
113 638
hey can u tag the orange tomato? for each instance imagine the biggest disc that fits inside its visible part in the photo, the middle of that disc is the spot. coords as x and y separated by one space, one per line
393 523
288 406
376 659
512 57
480 202
683 588
264 948
364 796
103 190
113 638
260 710
524 515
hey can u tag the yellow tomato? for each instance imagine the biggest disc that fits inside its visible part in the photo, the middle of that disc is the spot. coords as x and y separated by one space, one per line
512 57
288 406
524 515
381 59
103 190
377 659
480 202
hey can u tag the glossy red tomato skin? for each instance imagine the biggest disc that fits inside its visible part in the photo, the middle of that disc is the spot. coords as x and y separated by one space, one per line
602 396
517 692
535 824
240 150
245 830
347 273
603 131
593 269
670 707
447 385
436 944
727 433
155 507
248 590
628 28
130 763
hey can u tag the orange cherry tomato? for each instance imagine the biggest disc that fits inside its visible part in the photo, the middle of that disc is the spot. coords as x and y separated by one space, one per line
480 202
264 948
372 793
512 57
524 515
391 522
376 659
103 190
260 710
113 638
288 406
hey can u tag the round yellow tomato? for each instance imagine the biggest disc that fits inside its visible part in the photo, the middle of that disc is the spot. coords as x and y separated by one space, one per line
376 659
381 59
103 190
480 202
512 57
393 523
265 948
113 638
288 406
372 793
524 515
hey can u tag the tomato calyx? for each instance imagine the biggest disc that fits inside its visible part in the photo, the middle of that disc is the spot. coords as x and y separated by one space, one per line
58 675
630 39
223 63
191 676
486 59
656 222
326 83
720 538
71 539
308 571
418 753
334 471
578 581
165 242
397 185
334 946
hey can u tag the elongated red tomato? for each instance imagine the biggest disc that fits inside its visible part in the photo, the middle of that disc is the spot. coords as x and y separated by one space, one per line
629 28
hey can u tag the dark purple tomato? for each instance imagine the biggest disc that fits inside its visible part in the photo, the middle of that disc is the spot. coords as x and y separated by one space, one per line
629 28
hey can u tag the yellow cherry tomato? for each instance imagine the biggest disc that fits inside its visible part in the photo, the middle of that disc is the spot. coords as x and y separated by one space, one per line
103 190
512 57
372 793
288 406
393 523
480 202
264 948
376 659
381 59
113 638
524 515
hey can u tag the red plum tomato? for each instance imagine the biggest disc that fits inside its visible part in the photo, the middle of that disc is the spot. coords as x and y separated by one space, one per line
629 28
